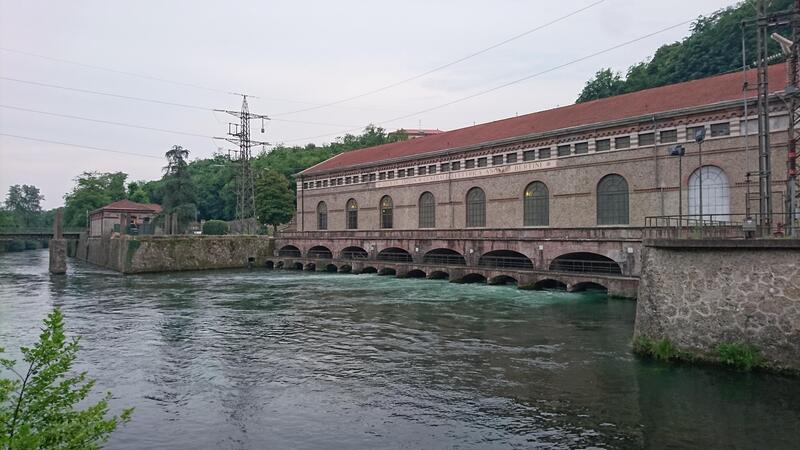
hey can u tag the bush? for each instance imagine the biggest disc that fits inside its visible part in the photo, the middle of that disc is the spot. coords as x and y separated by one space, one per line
661 349
31 245
15 246
741 356
215 227
38 406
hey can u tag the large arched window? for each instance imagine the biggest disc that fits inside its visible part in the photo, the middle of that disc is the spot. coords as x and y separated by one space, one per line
715 199
476 208
612 200
322 216
387 208
535 205
427 210
352 214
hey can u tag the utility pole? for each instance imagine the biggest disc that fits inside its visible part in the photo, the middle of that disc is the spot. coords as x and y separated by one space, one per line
764 166
245 187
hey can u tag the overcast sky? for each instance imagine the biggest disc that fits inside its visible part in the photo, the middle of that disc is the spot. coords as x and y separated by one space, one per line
291 55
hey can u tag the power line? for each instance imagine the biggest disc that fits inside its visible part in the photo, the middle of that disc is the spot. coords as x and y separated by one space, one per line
510 83
446 65
99 149
109 122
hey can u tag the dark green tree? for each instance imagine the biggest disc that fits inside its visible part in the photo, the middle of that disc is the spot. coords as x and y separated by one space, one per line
214 183
24 202
274 199
136 192
604 84
180 196
43 405
92 190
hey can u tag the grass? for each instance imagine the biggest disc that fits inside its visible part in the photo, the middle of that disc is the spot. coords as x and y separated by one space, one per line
658 349
739 355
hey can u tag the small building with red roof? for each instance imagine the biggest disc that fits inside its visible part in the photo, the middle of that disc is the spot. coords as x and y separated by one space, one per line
102 221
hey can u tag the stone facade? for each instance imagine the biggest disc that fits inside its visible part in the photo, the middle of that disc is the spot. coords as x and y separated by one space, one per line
699 294
128 254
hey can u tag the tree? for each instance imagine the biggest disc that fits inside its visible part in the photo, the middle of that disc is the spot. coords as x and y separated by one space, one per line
604 84
274 199
24 202
92 190
136 192
39 407
179 191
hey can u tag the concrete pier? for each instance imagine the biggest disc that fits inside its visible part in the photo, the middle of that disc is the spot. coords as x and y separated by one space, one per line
58 248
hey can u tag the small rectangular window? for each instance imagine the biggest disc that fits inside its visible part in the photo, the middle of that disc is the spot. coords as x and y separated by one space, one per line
602 145
410 171
305 185
529 155
319 184
668 136
364 178
423 170
622 142
581 148
691 132
432 169
497 160
390 174
401 173
720 129
324 183
469 164
381 175
455 165
347 180
339 181
482 162
511 158
372 177
563 150
444 167
647 139
544 153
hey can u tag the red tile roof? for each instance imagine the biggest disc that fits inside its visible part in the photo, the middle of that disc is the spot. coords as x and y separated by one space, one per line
672 97
126 205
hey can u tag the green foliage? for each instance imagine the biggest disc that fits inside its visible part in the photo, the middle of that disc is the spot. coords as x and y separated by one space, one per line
274 198
742 356
215 227
92 190
660 349
713 47
137 193
15 245
38 406
24 201
215 187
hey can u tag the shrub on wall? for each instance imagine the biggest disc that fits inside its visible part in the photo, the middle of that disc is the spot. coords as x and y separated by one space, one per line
215 227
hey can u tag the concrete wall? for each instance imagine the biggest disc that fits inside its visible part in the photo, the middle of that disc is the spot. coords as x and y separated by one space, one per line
175 253
699 294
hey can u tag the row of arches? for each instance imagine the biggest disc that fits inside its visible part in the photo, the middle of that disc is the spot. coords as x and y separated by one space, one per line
575 262
470 278
612 203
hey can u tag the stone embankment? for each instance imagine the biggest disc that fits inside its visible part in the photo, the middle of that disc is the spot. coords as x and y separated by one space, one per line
141 254
700 295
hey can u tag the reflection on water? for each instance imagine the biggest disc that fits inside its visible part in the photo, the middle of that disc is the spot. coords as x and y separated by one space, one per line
238 359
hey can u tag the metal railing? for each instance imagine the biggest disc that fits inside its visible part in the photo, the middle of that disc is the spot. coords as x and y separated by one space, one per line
585 266
394 256
448 260
354 254
39 230
293 253
510 262
321 254
719 226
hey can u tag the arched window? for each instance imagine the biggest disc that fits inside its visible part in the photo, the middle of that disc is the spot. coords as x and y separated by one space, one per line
612 200
535 205
322 216
352 214
427 210
716 202
476 208
386 212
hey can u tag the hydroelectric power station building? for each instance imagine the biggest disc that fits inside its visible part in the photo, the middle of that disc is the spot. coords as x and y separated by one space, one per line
556 198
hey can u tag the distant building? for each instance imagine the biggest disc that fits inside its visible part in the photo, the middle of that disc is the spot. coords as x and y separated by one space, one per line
102 221
414 133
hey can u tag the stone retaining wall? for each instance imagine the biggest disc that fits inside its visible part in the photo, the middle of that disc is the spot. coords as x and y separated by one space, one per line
142 254
699 294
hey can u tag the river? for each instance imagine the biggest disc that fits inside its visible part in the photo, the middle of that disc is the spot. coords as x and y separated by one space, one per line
280 359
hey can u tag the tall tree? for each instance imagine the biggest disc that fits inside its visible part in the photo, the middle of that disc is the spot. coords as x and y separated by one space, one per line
274 199
179 191
92 190
24 201
604 84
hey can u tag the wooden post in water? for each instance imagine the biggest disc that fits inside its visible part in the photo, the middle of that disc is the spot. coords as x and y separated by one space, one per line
58 248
